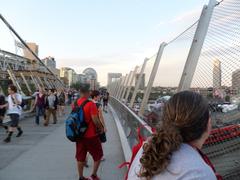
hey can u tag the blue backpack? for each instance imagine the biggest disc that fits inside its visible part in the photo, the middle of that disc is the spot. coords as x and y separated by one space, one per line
75 122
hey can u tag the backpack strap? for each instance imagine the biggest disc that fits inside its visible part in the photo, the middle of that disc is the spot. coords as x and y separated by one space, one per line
76 107
84 103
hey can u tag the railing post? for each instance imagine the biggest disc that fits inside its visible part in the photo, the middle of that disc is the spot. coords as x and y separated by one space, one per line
109 87
196 47
126 86
116 88
131 81
138 83
122 86
112 86
151 79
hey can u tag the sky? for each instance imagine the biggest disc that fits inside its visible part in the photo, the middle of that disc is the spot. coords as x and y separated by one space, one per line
107 35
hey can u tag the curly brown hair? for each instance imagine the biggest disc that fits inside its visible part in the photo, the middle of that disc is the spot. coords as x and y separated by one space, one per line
185 118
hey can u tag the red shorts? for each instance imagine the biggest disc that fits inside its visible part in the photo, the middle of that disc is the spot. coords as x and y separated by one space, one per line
92 145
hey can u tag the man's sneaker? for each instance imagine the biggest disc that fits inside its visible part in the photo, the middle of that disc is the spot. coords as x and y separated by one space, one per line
7 140
93 177
19 133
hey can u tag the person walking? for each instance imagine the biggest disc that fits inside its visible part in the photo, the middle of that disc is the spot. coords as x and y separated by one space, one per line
51 107
39 103
14 101
90 143
61 102
2 111
105 101
173 152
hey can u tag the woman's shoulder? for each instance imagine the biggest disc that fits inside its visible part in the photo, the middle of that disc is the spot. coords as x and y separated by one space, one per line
186 163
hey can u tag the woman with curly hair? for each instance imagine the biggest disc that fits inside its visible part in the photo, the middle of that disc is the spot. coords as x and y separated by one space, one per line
173 152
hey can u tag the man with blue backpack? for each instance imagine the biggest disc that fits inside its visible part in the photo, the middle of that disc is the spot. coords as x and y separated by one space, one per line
89 142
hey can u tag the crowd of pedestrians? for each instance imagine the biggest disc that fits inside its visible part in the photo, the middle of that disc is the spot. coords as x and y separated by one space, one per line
48 103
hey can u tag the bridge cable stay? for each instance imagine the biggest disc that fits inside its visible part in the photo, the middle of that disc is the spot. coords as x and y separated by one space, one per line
24 79
21 40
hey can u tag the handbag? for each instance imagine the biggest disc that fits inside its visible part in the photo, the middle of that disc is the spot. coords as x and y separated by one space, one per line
103 137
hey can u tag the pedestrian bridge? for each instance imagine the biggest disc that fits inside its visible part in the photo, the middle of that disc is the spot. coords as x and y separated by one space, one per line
204 58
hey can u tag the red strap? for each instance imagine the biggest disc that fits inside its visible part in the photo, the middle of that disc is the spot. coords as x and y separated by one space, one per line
123 164
135 149
208 162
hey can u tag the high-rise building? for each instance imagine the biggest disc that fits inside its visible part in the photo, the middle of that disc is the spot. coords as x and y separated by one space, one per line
57 72
69 74
28 54
236 79
217 73
49 62
113 76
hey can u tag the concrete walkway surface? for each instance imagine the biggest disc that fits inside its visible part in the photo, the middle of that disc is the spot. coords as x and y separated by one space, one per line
53 158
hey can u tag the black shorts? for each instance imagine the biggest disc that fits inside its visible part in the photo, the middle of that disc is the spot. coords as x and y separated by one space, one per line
105 103
14 120
2 112
1 121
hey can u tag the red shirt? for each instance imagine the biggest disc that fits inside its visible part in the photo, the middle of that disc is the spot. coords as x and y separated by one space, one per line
89 109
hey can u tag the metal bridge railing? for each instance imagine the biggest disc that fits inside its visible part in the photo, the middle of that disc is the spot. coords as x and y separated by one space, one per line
130 122
204 58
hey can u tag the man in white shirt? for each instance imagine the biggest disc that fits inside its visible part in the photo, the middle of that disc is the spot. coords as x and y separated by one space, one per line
13 104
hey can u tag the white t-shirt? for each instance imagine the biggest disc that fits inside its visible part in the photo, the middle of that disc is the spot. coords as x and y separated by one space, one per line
12 107
185 164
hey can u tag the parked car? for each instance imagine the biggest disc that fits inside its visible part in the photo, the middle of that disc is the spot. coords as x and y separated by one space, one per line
228 107
159 103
